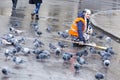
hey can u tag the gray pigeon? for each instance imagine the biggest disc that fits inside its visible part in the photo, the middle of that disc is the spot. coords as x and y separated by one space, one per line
110 50
17 60
8 37
106 63
99 76
81 60
21 40
38 33
105 55
8 54
5 71
67 56
62 44
51 46
108 40
18 47
58 51
14 41
49 29
92 50
63 34
43 56
37 52
100 37
26 51
35 27
77 67
37 43
82 52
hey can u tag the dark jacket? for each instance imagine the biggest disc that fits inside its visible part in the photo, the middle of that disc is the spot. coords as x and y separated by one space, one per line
80 24
35 1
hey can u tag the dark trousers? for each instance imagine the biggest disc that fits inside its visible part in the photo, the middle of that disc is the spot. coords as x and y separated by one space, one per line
14 4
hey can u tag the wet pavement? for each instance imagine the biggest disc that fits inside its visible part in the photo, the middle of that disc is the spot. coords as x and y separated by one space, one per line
107 17
59 15
108 21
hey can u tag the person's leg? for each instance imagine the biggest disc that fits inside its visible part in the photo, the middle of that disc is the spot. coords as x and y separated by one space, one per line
37 10
14 4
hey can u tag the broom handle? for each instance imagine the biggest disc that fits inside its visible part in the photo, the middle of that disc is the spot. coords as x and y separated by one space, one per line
87 44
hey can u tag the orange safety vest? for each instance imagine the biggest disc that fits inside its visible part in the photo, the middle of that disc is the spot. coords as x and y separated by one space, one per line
74 29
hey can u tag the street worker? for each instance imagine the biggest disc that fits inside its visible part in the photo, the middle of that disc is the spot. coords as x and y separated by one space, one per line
36 10
80 29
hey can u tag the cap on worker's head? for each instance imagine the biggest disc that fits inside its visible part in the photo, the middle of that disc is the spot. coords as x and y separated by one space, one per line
87 11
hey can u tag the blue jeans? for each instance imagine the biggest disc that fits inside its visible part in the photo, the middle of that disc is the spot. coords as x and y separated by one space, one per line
36 11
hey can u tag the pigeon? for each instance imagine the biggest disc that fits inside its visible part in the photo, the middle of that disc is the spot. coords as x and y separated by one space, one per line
82 52
81 60
18 48
37 52
99 76
8 53
46 52
16 24
17 60
26 51
13 30
5 71
14 41
37 43
92 50
8 37
106 63
58 51
49 29
51 46
18 32
21 40
38 33
108 40
5 42
62 44
43 56
104 55
94 34
67 56
110 50
63 34
35 27
77 67
13 51
100 36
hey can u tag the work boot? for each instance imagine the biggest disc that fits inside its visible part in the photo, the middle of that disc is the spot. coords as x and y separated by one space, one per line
37 17
32 15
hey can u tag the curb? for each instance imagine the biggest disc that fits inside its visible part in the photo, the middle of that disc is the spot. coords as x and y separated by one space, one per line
96 25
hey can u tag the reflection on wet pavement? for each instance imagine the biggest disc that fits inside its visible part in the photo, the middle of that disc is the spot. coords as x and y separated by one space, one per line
5 11
58 14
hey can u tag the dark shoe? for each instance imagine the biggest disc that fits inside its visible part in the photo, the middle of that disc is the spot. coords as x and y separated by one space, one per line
32 15
37 17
